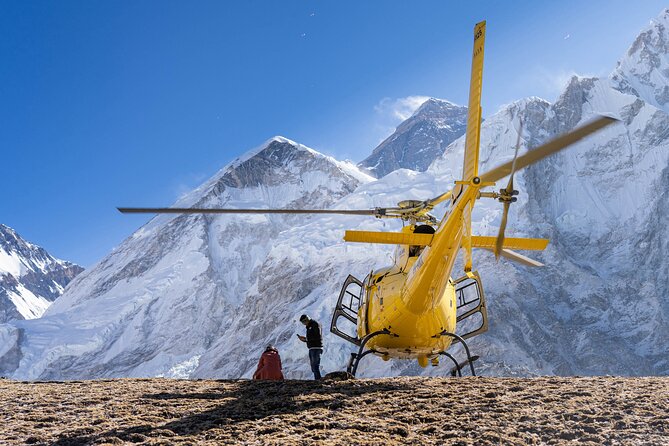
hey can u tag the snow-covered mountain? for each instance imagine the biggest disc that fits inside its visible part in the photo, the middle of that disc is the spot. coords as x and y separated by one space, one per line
181 283
420 139
30 278
644 70
201 296
602 303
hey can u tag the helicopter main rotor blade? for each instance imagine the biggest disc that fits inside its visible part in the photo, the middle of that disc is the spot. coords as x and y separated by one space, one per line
432 202
500 235
549 148
372 212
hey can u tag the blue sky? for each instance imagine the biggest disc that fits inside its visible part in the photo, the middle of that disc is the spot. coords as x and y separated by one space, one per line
131 103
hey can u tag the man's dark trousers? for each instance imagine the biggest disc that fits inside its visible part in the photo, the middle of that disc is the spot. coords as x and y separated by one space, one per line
315 360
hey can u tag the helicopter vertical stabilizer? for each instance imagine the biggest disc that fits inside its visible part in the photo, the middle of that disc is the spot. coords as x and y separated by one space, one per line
473 136
470 165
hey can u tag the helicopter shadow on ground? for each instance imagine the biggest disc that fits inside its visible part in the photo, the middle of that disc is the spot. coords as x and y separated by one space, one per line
242 401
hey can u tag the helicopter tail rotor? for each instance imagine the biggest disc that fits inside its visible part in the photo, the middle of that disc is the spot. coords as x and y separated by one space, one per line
507 196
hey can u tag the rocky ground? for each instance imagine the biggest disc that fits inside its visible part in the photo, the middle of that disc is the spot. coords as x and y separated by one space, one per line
408 410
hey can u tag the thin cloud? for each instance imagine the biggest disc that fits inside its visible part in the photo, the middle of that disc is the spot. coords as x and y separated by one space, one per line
390 112
399 109
558 81
187 183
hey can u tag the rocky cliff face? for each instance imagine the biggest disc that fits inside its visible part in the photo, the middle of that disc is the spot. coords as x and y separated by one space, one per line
30 278
420 139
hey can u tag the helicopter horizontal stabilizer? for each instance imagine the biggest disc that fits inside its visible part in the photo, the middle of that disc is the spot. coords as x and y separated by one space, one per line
529 244
388 238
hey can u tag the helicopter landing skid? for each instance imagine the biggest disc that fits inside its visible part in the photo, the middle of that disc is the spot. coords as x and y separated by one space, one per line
356 357
458 366
457 370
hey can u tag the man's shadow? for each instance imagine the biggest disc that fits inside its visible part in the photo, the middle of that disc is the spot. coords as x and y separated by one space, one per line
246 400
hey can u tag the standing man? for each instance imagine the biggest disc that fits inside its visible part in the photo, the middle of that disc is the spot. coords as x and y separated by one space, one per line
314 340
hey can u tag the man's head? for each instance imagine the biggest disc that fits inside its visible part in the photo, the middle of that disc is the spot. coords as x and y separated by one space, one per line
269 347
304 319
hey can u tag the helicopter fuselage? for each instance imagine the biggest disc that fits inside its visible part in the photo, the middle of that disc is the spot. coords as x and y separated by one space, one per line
415 299
414 335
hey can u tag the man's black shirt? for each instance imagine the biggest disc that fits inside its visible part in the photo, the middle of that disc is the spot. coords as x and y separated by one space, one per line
314 337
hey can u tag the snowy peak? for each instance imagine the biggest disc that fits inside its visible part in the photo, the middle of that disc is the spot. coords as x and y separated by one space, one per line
200 273
30 278
268 150
644 70
260 166
438 109
499 134
278 173
569 106
420 139
18 256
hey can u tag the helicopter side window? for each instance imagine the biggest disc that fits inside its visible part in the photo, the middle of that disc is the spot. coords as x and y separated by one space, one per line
415 250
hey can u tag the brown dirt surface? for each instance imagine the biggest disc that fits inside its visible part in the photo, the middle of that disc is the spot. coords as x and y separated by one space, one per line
407 410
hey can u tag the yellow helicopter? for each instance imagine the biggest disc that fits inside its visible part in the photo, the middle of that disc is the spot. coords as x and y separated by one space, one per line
411 308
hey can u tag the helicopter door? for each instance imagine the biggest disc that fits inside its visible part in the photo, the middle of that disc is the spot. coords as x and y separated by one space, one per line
472 316
345 318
